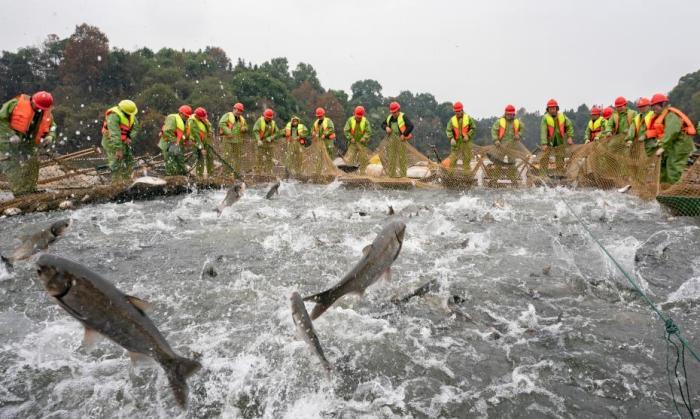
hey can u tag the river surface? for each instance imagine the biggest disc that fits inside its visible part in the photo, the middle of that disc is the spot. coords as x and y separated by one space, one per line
545 326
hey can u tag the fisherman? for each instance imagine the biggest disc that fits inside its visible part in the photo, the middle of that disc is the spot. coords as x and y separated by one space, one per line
323 129
673 132
172 140
118 130
358 131
642 122
595 126
507 128
25 124
399 129
460 130
232 128
265 130
621 119
199 131
556 131
296 134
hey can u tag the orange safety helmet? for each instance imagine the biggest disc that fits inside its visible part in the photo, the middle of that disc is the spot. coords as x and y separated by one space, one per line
510 109
268 113
360 111
458 107
394 107
658 98
620 101
238 106
595 111
552 103
185 110
320 112
607 112
42 100
643 102
200 113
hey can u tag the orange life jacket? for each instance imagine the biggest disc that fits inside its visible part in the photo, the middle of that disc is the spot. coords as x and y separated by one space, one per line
561 119
125 123
616 121
502 127
463 129
22 116
657 126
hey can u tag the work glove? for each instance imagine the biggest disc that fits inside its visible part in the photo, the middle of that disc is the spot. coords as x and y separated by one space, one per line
453 142
388 130
587 141
14 139
270 139
174 149
260 143
570 141
628 144
545 147
498 143
352 140
660 151
119 155
642 137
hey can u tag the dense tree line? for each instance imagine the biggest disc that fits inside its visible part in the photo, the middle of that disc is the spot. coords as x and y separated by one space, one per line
86 77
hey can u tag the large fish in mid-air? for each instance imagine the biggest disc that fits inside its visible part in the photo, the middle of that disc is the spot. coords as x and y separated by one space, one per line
305 329
275 189
376 261
104 310
37 242
234 193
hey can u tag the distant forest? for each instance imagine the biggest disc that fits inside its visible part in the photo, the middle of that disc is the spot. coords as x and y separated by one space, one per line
86 77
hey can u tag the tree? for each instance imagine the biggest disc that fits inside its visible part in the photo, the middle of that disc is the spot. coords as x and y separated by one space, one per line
367 93
85 57
278 68
305 72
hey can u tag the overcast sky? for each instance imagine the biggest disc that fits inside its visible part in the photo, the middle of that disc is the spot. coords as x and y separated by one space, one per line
486 53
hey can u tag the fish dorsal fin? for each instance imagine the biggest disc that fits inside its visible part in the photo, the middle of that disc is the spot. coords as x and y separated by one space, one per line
141 305
367 249
90 338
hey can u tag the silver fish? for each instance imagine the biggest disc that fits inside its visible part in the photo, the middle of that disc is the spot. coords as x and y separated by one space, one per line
38 241
232 196
105 310
305 329
376 262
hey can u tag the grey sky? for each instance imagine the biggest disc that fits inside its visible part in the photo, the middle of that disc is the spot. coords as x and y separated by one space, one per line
486 54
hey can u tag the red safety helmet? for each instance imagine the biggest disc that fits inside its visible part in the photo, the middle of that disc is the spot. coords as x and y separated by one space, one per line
185 110
595 111
360 111
620 101
643 102
658 98
394 107
200 113
607 112
552 103
510 109
268 113
458 107
239 107
42 100
320 112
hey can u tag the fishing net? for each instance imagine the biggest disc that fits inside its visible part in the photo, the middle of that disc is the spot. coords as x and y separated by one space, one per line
418 166
505 165
611 163
683 197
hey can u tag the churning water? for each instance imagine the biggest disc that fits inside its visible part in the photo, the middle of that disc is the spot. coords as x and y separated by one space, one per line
545 326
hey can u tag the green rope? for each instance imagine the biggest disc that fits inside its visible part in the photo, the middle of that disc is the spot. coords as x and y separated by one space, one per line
672 328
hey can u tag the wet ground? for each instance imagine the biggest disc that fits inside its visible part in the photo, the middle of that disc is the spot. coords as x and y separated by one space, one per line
544 325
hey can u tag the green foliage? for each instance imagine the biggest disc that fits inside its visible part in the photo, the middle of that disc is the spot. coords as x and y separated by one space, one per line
686 95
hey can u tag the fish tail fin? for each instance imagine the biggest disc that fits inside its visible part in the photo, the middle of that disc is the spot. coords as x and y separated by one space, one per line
323 300
6 262
178 370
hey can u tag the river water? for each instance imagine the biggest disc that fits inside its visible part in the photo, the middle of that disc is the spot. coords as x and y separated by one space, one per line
544 325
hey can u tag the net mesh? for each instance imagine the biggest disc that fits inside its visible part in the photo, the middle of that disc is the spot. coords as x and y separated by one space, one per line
605 164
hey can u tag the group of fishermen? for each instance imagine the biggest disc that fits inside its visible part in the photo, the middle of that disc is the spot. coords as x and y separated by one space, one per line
26 124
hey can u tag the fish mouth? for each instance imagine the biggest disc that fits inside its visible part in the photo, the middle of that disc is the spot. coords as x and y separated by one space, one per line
54 283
